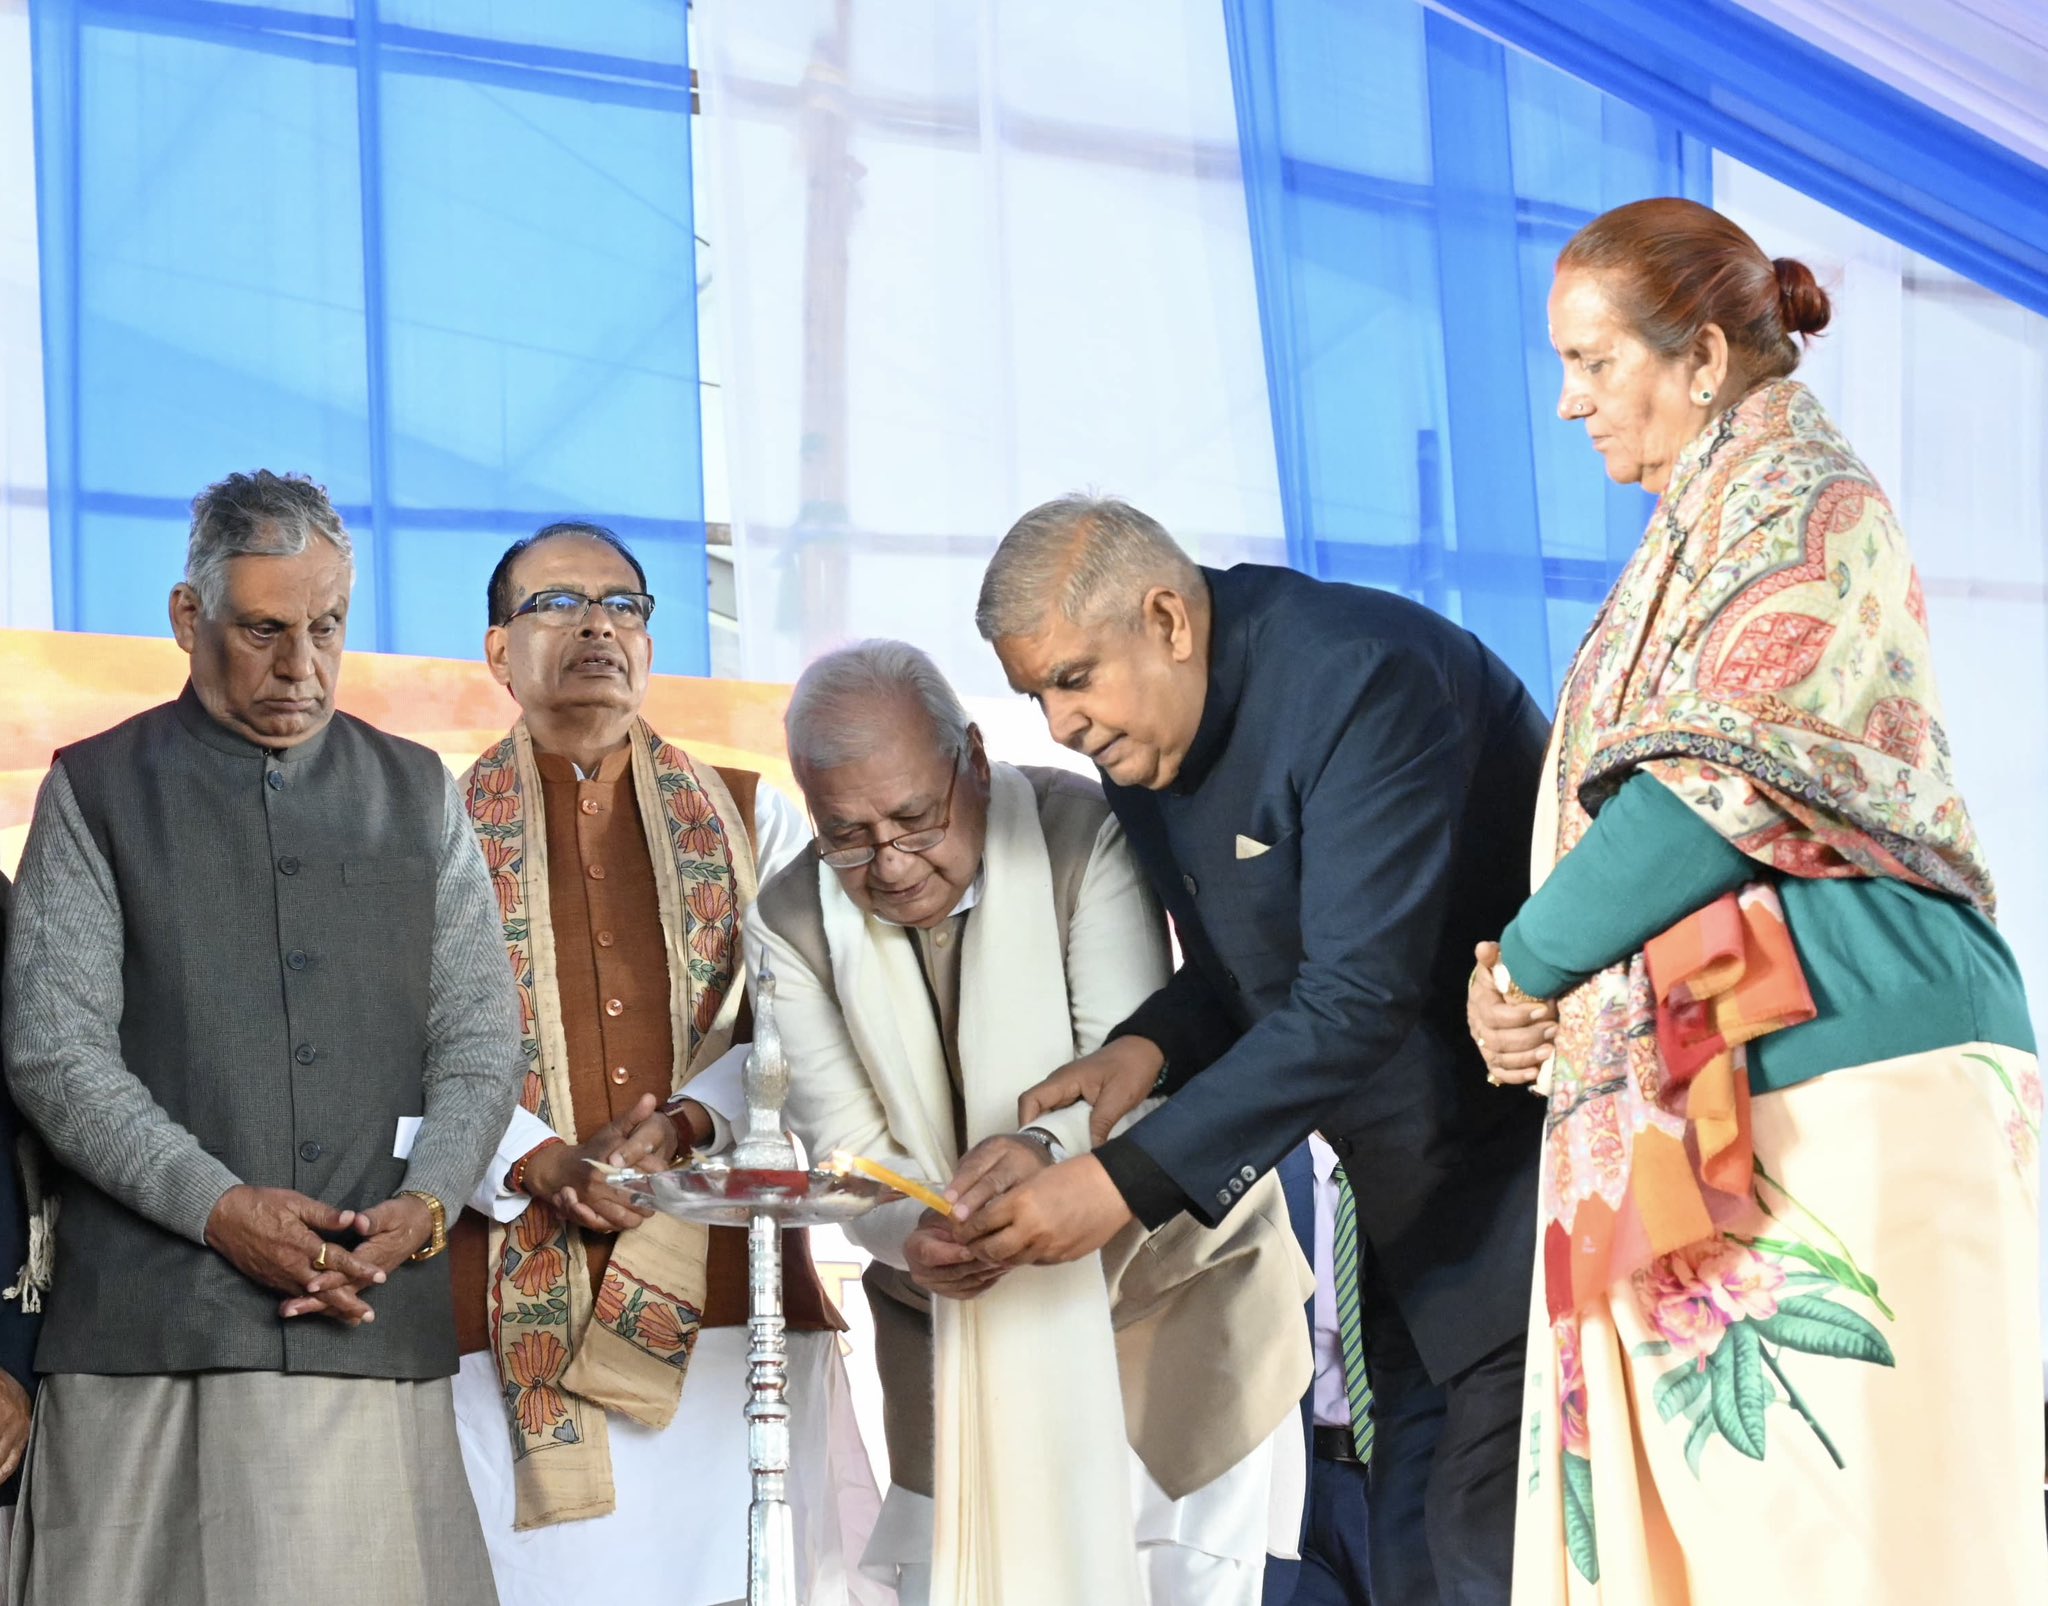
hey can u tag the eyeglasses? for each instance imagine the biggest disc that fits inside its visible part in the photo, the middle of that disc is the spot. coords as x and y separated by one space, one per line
627 610
910 842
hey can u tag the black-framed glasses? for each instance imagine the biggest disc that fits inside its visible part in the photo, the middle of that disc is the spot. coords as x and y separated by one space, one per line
627 610
910 842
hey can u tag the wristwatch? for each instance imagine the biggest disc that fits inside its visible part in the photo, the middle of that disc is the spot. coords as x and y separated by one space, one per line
439 1240
1055 1150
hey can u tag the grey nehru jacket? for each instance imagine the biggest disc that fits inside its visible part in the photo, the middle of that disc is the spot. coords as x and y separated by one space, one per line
233 965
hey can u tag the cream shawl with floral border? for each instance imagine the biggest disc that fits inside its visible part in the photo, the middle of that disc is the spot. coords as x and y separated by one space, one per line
561 1369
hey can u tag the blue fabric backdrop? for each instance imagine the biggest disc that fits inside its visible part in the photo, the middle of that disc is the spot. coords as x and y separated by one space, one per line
1409 183
1788 108
438 254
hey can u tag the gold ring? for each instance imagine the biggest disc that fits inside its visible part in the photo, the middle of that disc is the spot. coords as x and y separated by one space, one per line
320 1260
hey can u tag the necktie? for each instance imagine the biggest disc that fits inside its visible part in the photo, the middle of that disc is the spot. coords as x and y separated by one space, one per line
1350 1328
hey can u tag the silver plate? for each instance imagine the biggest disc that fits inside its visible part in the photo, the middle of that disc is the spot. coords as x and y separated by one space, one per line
714 1192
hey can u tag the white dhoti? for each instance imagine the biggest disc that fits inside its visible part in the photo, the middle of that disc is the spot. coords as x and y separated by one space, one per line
678 1534
245 1489
1208 1548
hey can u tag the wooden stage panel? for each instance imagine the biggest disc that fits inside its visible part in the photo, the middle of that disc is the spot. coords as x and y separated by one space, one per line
57 686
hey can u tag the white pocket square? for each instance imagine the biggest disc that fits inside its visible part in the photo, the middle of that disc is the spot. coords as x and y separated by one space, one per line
1248 849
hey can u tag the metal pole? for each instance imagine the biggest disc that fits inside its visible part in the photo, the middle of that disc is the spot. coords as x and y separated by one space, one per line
771 1531
831 185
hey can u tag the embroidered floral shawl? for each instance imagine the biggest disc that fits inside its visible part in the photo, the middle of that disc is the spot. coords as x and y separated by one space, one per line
1764 655
561 1369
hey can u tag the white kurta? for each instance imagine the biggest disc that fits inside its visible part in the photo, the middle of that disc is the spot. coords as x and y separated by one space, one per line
1208 1548
678 1534
679 1531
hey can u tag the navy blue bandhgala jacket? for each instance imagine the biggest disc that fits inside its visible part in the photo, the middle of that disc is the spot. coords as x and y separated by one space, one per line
1353 816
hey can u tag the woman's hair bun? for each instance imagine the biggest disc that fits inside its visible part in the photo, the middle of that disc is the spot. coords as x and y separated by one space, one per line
1803 305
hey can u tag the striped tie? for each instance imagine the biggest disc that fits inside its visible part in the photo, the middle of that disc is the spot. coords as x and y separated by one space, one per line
1350 1328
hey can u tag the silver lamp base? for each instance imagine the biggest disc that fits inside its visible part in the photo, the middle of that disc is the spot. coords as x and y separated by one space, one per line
765 1201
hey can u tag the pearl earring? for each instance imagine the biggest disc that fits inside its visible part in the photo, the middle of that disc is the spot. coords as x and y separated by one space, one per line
1705 397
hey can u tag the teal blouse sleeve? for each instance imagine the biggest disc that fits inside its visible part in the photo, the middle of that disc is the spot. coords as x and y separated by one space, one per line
1647 863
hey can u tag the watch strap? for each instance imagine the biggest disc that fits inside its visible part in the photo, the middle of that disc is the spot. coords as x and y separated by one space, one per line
1055 1150
439 1239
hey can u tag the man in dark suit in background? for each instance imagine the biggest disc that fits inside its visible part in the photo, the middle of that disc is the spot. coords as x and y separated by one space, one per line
18 1328
1335 1563
1331 789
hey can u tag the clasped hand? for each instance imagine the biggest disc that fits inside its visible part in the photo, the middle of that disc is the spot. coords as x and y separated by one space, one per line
284 1240
1514 1037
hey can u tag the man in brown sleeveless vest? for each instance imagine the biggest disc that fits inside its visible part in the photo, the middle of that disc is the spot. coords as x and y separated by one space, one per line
611 1342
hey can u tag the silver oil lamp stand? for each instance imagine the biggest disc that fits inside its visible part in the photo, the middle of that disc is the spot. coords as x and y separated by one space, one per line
761 1186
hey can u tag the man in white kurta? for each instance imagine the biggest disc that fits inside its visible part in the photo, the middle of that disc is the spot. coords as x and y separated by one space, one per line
600 1395
963 926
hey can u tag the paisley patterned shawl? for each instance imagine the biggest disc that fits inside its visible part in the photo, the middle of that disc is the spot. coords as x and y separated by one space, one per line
1765 656
564 1359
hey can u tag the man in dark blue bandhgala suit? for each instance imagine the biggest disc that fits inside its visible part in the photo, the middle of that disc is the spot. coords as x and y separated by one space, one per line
1331 789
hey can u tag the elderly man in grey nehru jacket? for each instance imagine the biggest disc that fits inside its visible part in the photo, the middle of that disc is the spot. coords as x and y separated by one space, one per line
257 1005
963 928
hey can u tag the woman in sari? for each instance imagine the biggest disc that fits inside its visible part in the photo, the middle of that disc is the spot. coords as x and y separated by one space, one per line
1785 1337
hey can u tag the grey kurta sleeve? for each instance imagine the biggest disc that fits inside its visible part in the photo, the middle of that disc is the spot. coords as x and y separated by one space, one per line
62 1029
474 1065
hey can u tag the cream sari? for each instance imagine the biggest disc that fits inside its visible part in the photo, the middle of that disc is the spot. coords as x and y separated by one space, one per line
1831 1399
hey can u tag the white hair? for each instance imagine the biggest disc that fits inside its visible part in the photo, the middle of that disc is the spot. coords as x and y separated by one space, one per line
1091 557
843 705
256 515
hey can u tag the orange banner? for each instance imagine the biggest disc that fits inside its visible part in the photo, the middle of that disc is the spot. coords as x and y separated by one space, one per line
60 686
